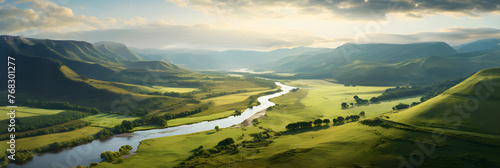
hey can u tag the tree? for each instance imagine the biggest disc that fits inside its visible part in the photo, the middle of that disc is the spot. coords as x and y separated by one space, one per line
355 117
356 97
344 105
217 128
127 125
335 121
352 104
227 141
401 106
340 119
318 122
326 121
375 100
362 113
163 122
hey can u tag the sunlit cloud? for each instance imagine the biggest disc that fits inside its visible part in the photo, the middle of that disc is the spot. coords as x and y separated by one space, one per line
345 9
452 35
204 36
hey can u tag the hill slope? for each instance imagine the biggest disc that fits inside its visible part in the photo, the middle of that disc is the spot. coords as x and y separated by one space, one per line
118 50
483 44
474 102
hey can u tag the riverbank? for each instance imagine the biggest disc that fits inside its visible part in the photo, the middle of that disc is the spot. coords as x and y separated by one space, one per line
248 122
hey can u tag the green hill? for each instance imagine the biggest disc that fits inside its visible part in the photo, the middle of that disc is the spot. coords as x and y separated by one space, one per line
85 59
474 102
49 80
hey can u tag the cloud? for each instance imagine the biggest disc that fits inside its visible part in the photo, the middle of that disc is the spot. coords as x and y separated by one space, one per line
203 36
452 35
48 16
347 9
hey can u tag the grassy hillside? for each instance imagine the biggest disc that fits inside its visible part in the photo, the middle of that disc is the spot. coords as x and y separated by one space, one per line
474 102
117 50
157 66
49 80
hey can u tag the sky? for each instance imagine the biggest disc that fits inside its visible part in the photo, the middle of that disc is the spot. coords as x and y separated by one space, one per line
252 24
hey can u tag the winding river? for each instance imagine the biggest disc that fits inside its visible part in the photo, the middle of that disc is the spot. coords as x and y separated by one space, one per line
90 152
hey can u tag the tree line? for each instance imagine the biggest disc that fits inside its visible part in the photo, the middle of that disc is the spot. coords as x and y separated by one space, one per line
42 121
428 91
319 122
59 105
70 126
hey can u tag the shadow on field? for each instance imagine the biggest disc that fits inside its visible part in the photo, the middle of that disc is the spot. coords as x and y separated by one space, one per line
302 130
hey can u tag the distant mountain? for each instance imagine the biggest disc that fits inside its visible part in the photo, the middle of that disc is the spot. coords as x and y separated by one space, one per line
223 60
390 64
349 52
392 53
483 44
118 50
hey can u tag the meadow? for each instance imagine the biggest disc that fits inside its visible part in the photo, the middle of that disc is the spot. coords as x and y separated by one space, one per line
170 151
321 99
27 112
107 120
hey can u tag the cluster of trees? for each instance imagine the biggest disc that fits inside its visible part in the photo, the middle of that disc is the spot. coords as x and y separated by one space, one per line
59 105
111 156
177 94
295 89
401 106
58 145
342 120
22 155
36 122
224 145
360 100
237 112
404 105
126 126
299 125
429 91
319 122
70 126
162 120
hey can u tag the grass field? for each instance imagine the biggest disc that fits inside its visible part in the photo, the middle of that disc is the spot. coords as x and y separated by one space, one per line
322 99
170 151
27 112
30 143
195 119
173 89
108 120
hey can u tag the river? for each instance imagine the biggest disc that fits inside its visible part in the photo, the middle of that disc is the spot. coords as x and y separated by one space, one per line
90 152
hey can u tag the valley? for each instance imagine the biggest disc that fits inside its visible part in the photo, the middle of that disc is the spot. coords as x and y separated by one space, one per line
372 108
